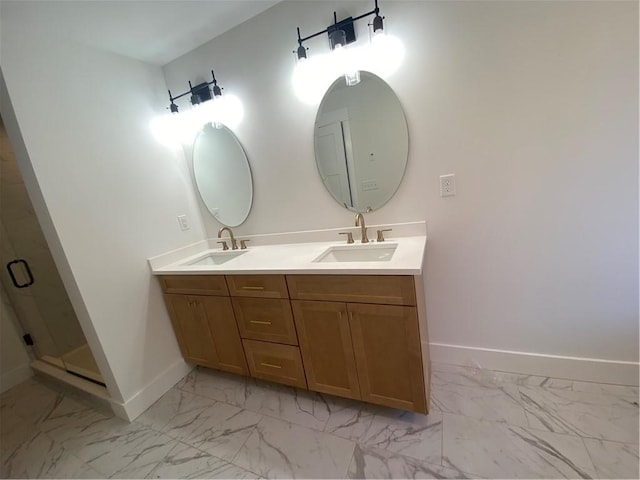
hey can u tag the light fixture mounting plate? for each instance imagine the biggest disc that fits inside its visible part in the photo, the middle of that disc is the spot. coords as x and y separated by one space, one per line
203 91
346 26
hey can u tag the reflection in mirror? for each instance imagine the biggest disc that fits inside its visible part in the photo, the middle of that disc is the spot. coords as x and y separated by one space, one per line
222 175
361 142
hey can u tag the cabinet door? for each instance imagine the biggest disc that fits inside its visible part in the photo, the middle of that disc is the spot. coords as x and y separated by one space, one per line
207 332
327 350
386 341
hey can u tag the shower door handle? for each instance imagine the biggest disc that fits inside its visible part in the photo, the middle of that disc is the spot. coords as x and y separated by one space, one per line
13 277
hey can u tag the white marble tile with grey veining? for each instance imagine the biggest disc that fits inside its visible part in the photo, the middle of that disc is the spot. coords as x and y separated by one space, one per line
220 430
349 418
279 449
69 466
243 392
620 390
175 406
302 407
98 444
595 415
497 450
478 376
501 403
613 459
14 430
532 380
184 461
42 457
412 434
35 456
31 400
376 463
69 421
127 454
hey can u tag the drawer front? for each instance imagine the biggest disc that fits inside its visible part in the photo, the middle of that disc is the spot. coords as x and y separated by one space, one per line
266 319
379 289
194 284
269 286
274 362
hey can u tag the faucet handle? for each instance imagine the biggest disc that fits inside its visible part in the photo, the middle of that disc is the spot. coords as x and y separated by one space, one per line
380 234
243 244
349 236
224 245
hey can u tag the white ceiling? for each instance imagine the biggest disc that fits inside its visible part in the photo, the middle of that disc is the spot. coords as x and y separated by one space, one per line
154 31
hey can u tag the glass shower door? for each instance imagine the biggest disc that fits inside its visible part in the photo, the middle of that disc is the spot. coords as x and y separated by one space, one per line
31 279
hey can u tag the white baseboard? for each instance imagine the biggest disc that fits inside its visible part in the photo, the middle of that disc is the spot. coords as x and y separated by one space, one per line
14 377
572 368
136 405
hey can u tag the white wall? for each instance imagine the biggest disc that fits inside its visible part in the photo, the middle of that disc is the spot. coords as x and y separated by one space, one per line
14 359
107 196
534 107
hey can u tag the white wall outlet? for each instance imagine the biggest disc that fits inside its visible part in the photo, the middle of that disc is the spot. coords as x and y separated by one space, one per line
184 224
447 185
369 185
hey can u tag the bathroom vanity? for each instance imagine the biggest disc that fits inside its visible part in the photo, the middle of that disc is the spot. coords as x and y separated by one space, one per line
355 329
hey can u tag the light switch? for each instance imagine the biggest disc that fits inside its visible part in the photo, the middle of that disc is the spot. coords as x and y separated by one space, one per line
184 224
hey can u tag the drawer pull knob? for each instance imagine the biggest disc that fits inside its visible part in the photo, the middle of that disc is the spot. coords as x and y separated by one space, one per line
270 365
252 288
259 322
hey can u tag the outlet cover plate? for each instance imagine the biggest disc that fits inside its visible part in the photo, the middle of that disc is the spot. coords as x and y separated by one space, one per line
447 185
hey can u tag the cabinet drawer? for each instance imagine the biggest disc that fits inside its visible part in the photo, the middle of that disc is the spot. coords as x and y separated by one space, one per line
194 284
275 362
266 319
380 289
270 286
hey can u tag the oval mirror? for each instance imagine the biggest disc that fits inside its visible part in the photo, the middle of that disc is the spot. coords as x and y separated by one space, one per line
222 175
361 142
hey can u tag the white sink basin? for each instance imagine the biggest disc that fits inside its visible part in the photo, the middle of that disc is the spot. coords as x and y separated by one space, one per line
216 258
358 253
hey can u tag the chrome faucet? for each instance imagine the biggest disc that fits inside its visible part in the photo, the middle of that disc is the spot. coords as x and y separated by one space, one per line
234 244
363 228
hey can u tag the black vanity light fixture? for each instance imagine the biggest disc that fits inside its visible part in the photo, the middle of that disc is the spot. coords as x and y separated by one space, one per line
341 33
199 93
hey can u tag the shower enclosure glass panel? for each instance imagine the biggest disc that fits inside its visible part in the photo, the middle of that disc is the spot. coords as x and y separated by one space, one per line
31 279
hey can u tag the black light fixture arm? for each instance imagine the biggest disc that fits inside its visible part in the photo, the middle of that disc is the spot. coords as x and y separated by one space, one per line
198 93
336 25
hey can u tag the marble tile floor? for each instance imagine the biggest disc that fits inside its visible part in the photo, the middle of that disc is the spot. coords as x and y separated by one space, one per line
482 424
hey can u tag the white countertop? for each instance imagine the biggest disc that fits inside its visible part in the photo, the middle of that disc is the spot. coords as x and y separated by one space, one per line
296 256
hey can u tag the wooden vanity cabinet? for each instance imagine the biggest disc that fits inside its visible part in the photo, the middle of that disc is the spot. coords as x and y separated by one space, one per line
263 313
360 338
206 331
326 347
386 342
354 336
